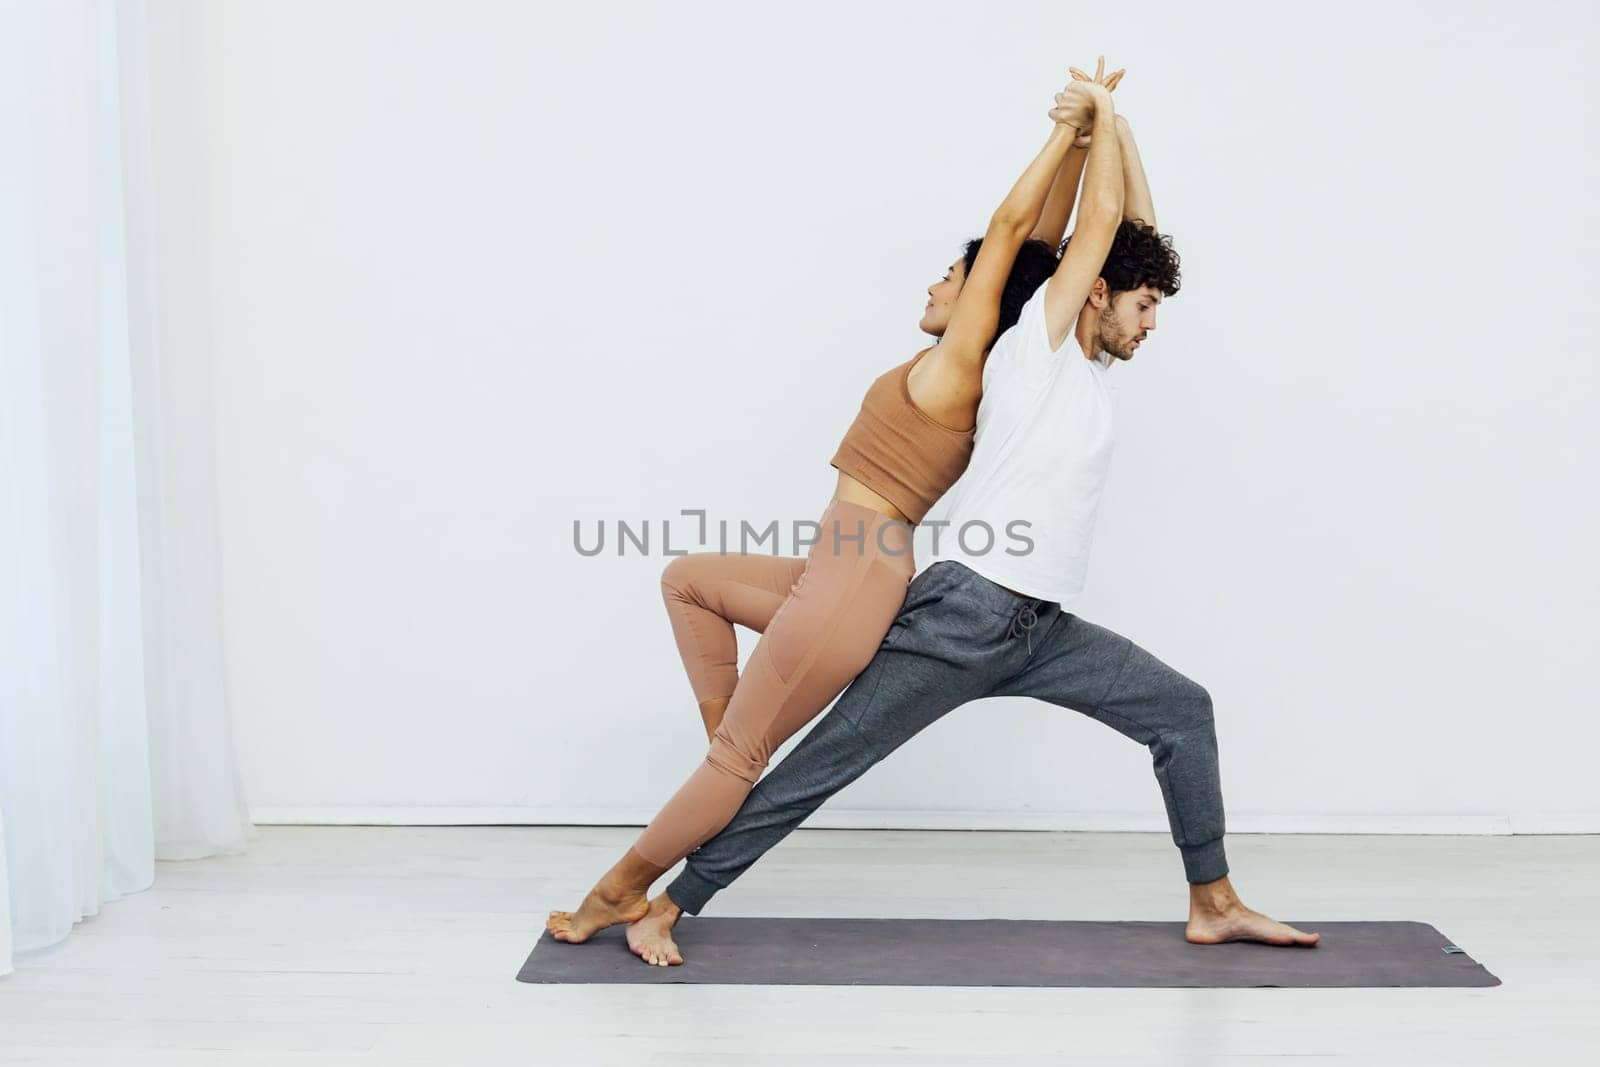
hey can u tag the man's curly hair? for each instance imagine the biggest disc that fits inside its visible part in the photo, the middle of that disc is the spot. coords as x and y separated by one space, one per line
1034 264
1139 256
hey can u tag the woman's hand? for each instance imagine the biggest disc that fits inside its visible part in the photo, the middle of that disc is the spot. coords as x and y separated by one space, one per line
1100 77
1075 107
1110 82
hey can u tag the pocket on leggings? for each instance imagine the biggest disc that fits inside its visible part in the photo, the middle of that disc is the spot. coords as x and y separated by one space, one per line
811 617
800 621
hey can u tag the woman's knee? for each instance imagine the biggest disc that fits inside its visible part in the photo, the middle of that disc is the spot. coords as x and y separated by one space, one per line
678 578
741 761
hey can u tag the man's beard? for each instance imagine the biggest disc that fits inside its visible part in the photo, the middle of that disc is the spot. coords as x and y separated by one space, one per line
1108 334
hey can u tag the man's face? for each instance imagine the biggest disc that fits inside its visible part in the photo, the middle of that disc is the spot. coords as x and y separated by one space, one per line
1127 320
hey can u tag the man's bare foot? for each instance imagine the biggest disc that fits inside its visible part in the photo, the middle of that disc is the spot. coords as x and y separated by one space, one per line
1245 925
606 905
1216 915
651 937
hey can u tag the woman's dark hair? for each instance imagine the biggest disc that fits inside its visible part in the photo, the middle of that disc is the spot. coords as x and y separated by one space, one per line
1139 256
1034 264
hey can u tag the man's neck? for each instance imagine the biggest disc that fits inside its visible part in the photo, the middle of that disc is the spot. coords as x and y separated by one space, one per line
1087 333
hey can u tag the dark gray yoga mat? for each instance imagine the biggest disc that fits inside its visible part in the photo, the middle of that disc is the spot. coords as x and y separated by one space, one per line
1010 952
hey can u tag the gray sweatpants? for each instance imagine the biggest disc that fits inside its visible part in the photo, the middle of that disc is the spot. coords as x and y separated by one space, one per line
957 638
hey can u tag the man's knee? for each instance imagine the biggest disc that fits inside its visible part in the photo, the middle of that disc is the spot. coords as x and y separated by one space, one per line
1195 701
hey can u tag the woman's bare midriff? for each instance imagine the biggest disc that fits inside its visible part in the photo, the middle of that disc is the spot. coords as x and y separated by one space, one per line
853 492
856 493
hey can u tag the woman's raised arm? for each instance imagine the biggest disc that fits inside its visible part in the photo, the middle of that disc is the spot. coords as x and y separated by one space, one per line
976 313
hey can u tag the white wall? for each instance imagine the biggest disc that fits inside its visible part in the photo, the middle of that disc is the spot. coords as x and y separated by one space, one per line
476 270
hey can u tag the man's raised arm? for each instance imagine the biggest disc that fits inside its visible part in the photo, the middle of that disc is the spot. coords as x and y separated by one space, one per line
1098 218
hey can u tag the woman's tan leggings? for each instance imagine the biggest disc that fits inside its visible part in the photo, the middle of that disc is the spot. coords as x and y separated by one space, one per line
821 620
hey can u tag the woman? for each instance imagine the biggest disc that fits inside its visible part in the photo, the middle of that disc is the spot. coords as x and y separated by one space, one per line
823 618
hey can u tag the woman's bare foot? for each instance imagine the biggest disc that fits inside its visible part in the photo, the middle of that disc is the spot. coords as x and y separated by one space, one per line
1216 915
604 906
620 897
651 937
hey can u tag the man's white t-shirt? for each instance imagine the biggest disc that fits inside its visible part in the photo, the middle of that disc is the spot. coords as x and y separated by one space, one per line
1039 461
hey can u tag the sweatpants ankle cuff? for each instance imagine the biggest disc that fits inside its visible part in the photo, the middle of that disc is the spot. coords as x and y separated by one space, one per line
691 891
1202 863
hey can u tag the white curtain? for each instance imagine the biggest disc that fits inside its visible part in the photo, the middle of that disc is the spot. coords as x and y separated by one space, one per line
115 741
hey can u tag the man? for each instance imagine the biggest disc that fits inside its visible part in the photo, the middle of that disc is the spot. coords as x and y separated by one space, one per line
993 623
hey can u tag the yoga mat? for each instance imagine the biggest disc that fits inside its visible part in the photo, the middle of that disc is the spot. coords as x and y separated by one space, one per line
1010 952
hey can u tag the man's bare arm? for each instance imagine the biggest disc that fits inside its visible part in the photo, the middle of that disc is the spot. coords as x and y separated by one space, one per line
1098 218
1058 205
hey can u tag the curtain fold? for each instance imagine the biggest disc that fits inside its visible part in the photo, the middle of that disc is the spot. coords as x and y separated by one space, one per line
115 739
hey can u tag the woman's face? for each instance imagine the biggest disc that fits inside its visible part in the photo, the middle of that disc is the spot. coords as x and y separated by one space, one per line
942 297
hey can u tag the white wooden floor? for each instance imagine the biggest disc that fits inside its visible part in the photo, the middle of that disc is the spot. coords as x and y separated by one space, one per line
358 945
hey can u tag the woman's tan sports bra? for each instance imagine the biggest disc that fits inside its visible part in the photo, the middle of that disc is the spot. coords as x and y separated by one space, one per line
898 451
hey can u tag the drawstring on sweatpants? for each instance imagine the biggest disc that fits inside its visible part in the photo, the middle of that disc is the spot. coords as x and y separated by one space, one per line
1023 625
